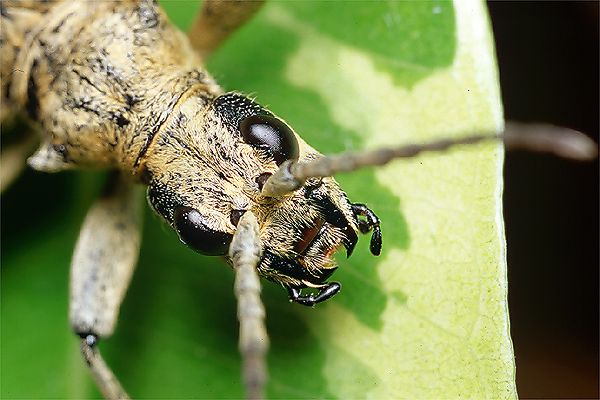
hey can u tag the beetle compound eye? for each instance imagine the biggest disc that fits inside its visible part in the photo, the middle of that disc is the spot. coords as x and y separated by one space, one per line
271 134
192 228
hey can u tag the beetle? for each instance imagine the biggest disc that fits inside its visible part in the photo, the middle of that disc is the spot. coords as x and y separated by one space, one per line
128 93
324 204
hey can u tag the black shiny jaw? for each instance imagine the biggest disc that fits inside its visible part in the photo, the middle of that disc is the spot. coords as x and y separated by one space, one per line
334 216
370 223
324 294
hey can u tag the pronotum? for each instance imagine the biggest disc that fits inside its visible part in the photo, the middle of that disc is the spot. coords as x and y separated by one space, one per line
128 92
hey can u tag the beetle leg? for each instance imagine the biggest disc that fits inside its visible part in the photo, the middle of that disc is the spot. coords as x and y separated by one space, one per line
102 266
245 252
107 382
217 20
325 293
370 224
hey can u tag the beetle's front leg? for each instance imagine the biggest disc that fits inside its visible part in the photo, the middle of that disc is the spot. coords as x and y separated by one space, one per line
102 266
217 20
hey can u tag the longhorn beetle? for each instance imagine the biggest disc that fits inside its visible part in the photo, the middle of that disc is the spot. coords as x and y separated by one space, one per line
115 86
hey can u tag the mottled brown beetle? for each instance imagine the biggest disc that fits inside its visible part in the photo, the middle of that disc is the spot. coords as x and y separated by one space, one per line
114 85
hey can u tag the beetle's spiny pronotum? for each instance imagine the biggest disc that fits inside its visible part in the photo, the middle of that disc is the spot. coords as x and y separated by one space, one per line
114 85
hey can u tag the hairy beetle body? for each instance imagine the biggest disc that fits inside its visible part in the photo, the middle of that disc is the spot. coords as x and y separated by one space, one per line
100 79
126 91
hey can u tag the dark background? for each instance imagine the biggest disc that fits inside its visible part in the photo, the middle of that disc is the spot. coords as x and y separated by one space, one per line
548 59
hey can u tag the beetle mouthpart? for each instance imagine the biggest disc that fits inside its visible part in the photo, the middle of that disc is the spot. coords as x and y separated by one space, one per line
312 233
375 244
350 239
309 235
293 269
334 216
370 223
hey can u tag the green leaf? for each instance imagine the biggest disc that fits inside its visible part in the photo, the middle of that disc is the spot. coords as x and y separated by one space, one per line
428 319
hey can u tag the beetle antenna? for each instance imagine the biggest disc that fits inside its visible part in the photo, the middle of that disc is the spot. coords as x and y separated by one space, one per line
562 142
245 252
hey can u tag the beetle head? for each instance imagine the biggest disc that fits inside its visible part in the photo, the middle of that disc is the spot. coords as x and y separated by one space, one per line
207 167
